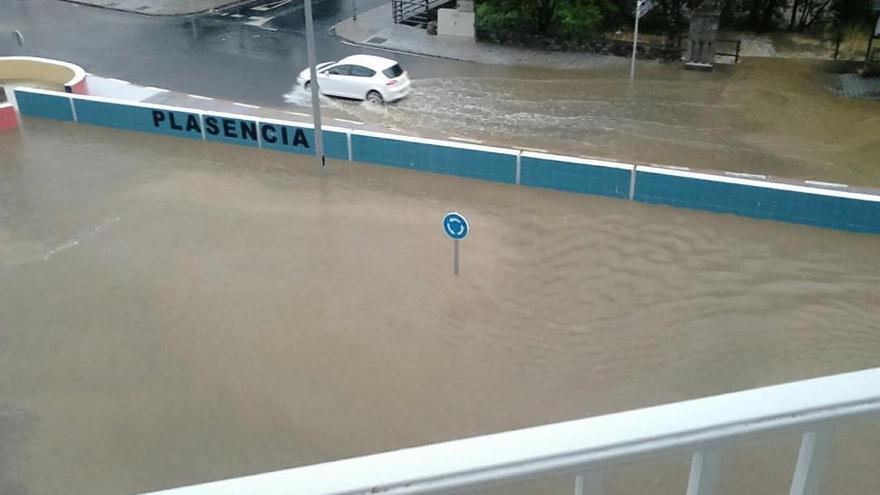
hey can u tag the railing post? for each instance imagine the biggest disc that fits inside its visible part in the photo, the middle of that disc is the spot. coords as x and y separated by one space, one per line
704 472
589 483
736 59
810 464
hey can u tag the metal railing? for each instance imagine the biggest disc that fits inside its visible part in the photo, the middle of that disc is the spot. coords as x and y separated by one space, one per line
414 11
582 447
737 42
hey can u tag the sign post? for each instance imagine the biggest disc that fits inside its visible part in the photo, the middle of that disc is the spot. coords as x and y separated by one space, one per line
313 77
456 227
642 8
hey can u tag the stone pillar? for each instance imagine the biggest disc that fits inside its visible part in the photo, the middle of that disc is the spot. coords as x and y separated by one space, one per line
701 47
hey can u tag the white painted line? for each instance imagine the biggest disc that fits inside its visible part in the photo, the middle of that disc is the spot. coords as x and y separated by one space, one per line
438 142
73 110
673 167
224 14
268 29
200 97
536 150
632 182
355 122
298 114
748 176
466 140
258 21
161 90
271 6
236 15
244 105
827 184
117 80
518 176
582 160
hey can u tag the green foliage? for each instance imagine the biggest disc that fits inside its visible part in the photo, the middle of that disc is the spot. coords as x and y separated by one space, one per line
498 15
851 13
585 18
579 18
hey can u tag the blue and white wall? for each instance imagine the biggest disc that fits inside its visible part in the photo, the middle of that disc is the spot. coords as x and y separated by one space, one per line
820 204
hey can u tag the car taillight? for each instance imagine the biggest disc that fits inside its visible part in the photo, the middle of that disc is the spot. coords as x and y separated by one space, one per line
391 83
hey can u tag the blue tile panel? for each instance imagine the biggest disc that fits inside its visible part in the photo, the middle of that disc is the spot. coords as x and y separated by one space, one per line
575 177
843 213
449 160
34 104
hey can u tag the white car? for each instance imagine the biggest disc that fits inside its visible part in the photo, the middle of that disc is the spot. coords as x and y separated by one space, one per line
360 77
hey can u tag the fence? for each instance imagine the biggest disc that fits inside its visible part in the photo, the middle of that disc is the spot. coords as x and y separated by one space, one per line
815 203
414 12
583 447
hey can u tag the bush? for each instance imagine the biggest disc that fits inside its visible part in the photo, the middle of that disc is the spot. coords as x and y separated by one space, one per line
579 19
498 15
568 18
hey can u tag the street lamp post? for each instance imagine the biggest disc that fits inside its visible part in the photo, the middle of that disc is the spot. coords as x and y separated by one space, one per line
313 77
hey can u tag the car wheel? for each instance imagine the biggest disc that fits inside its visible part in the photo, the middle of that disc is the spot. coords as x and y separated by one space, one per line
375 98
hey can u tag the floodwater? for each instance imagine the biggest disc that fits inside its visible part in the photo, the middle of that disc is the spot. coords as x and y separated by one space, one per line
765 116
174 312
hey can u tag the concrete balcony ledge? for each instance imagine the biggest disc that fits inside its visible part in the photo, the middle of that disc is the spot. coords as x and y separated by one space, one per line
53 73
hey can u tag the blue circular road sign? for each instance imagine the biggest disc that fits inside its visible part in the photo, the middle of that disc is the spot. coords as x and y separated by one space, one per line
455 226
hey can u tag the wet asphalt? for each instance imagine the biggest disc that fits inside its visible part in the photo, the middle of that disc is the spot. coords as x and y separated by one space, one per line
237 53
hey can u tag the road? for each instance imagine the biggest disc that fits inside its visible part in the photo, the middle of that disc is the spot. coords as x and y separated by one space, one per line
765 116
238 54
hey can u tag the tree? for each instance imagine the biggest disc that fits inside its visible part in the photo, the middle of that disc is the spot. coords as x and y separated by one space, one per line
543 11
846 13
810 11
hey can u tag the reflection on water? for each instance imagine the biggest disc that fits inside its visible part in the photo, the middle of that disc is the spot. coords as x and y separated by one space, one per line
224 311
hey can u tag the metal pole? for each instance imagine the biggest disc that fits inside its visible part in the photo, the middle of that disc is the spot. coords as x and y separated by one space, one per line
354 7
455 258
632 67
871 35
837 44
313 75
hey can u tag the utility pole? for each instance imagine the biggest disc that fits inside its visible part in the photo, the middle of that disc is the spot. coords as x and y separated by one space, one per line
313 77
642 8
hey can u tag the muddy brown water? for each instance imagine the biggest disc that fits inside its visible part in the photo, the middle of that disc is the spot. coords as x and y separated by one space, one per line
764 116
174 312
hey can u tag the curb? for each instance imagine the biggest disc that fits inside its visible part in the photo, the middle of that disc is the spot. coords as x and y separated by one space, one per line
232 3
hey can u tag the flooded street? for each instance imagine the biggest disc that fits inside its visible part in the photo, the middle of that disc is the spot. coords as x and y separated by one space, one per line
764 116
175 312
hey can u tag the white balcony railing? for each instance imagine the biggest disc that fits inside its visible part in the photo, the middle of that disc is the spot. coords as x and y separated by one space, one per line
701 426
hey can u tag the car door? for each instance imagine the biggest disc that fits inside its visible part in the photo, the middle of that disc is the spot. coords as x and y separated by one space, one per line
360 81
332 80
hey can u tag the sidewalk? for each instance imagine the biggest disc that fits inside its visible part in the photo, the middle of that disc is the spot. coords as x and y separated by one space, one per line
161 7
376 29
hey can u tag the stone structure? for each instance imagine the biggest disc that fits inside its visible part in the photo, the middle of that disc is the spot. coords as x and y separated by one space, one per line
458 21
702 46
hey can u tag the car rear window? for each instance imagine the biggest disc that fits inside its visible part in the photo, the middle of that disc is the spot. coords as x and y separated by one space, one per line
393 71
